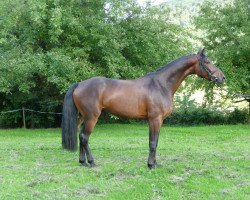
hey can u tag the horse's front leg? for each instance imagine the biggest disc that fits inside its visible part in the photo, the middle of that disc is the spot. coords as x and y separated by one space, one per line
154 130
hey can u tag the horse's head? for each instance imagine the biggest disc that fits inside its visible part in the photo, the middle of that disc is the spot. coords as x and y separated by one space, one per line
206 69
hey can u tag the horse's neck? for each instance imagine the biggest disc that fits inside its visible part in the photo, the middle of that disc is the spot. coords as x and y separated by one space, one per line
173 75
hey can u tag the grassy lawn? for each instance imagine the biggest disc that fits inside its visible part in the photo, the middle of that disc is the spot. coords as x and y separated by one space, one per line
207 162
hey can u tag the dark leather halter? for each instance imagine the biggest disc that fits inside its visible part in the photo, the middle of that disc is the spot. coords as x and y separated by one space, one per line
203 67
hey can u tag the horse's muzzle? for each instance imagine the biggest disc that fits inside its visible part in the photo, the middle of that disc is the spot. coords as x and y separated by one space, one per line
219 80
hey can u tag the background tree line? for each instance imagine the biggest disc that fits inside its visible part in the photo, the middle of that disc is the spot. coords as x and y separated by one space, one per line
47 45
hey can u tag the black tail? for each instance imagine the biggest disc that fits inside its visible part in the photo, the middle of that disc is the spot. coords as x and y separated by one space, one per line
69 120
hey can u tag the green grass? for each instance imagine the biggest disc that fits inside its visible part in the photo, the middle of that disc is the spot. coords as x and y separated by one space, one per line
207 162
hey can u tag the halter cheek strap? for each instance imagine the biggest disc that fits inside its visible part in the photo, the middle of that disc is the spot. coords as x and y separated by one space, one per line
205 68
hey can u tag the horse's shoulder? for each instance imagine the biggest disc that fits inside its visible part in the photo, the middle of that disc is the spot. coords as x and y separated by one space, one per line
150 82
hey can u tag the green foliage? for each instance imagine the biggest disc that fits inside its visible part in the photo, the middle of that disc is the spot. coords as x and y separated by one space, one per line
226 35
187 112
197 116
47 45
68 41
238 116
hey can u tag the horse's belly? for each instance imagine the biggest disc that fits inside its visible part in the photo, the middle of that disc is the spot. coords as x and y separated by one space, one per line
127 113
125 107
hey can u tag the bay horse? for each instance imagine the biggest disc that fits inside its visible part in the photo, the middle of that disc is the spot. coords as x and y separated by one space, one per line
149 97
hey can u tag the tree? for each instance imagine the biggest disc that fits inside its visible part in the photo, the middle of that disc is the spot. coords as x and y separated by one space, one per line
226 34
47 45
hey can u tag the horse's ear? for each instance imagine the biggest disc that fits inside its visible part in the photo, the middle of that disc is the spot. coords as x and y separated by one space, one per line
201 52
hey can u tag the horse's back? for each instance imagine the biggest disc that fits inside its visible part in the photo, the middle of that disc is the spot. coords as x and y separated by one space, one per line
100 85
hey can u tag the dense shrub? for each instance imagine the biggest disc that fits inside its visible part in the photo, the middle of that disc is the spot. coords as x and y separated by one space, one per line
238 116
33 120
199 115
192 116
11 120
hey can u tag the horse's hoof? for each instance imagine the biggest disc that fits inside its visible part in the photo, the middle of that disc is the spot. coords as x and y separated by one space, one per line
151 166
84 164
92 164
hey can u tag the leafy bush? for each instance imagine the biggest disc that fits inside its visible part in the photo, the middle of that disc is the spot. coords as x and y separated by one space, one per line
208 116
238 116
194 116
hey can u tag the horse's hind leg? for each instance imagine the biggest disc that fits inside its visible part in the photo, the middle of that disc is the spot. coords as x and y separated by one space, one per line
89 125
82 157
